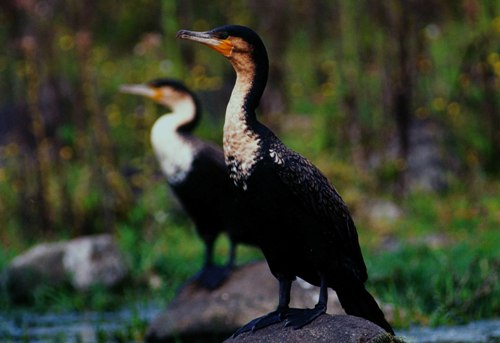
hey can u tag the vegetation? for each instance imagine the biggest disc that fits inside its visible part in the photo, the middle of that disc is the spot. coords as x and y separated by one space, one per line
350 81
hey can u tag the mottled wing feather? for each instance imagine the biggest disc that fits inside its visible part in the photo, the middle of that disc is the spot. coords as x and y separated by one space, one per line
320 199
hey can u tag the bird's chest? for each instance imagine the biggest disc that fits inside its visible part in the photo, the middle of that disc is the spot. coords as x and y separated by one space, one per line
242 151
174 154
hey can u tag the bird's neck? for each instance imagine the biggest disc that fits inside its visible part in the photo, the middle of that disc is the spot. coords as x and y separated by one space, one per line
172 146
251 78
167 132
184 116
241 137
240 116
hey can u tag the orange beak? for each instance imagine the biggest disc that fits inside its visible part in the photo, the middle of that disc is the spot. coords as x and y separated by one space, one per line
143 90
222 46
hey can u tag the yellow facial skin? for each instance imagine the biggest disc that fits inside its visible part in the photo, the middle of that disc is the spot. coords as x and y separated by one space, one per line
225 47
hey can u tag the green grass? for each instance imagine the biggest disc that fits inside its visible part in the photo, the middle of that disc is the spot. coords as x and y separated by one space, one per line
444 267
437 286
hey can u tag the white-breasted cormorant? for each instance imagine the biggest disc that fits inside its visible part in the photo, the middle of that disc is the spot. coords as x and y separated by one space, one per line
299 220
195 171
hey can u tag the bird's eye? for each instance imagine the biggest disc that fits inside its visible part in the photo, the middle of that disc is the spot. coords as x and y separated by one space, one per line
223 35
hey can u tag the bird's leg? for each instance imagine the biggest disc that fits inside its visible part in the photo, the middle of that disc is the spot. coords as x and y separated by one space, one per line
232 255
284 293
207 260
276 316
209 253
211 276
216 275
323 295
300 318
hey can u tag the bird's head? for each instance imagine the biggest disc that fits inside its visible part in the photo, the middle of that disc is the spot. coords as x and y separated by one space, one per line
231 41
173 94
244 49
167 92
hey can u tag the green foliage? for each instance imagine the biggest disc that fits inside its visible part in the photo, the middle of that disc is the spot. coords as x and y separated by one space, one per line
444 268
438 286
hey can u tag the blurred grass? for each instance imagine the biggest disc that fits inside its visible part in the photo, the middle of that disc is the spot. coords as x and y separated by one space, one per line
443 267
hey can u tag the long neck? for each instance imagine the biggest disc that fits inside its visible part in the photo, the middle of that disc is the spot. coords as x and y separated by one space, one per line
242 142
175 150
185 114
251 78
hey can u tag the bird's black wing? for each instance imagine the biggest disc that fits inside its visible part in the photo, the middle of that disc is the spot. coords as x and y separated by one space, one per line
321 200
211 172
212 153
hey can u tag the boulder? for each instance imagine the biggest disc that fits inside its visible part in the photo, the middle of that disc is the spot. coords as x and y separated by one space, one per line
428 162
81 262
251 291
94 260
382 211
325 329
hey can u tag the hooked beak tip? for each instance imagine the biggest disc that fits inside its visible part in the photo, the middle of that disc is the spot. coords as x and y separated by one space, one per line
182 34
124 88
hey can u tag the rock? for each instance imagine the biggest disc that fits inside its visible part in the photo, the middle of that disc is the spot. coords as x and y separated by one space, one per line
250 292
94 260
325 329
81 262
383 211
431 163
433 241
426 164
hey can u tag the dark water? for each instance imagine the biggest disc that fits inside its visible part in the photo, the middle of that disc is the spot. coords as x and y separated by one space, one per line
92 327
86 327
474 332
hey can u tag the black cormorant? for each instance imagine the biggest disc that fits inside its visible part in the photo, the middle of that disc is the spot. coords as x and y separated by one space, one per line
195 170
299 220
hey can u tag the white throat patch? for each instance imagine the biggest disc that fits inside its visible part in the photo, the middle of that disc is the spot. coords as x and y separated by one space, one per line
174 152
241 144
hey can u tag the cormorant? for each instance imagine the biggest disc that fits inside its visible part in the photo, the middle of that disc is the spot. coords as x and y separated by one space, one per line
195 171
300 222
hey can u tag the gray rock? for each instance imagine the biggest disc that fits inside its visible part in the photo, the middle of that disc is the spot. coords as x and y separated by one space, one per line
325 329
250 292
383 211
81 262
426 165
94 260
431 163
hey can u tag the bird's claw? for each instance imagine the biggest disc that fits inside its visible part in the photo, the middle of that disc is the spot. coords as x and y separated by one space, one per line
262 322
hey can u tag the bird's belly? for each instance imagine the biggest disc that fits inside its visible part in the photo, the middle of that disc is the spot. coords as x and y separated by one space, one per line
288 236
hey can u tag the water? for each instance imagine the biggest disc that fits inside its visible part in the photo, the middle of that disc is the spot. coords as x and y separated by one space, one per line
474 332
92 327
86 327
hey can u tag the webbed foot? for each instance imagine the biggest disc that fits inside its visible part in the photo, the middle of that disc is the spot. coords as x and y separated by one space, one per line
300 318
212 277
261 322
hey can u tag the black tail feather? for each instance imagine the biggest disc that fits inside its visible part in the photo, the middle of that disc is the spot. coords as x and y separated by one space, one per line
356 301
